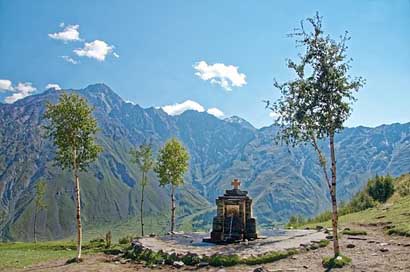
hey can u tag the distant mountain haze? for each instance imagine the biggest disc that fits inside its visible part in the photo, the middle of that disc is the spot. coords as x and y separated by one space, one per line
281 180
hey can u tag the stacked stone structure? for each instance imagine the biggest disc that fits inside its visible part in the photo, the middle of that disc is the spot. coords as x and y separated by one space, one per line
233 221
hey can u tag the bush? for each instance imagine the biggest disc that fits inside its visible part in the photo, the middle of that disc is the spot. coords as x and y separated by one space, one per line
360 202
380 188
125 240
404 188
336 262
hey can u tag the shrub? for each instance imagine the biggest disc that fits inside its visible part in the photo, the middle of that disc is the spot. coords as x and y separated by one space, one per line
404 188
125 240
361 201
380 188
336 262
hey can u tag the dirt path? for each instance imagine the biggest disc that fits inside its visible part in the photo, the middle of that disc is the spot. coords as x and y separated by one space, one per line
366 256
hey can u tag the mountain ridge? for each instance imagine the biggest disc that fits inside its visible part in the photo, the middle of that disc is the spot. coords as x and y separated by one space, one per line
283 181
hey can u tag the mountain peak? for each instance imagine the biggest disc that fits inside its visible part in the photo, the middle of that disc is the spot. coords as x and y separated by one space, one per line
238 120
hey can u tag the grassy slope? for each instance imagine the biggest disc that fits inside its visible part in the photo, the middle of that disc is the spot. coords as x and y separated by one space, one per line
19 255
396 210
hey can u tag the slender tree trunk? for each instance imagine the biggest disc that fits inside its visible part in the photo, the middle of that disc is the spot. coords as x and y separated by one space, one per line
34 227
172 208
142 204
78 208
336 247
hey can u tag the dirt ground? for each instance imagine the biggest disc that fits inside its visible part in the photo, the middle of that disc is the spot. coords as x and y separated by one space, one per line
366 256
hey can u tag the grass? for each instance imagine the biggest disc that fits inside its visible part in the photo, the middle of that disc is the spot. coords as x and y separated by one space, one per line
336 262
394 215
152 257
20 255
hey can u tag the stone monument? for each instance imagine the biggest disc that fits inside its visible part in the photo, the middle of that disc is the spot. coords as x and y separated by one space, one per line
233 221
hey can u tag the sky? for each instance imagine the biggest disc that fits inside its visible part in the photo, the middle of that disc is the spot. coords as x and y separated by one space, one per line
216 56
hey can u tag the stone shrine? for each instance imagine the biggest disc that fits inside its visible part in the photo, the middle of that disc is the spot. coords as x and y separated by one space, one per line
233 220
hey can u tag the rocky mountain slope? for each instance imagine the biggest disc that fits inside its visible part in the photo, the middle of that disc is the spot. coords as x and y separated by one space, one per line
283 181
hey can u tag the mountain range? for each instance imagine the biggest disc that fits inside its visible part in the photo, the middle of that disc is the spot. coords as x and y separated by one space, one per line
282 181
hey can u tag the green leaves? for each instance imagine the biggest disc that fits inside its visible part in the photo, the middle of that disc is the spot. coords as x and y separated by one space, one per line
318 101
72 128
172 163
39 200
142 156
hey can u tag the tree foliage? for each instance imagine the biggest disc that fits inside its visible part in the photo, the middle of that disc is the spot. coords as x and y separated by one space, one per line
142 156
39 204
318 101
380 188
72 127
172 163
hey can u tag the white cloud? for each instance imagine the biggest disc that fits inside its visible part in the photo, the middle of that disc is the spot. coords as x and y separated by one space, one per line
97 50
20 91
5 85
53 86
69 59
227 76
177 109
215 112
69 33
115 54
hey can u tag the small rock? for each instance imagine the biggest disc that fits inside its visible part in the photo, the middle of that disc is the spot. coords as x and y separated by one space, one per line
117 262
305 267
350 246
384 244
178 264
152 235
202 264
123 261
371 242
318 228
406 245
329 237
383 249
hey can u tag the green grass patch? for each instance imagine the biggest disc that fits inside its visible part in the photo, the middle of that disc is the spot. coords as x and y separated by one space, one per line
268 257
19 255
324 243
336 262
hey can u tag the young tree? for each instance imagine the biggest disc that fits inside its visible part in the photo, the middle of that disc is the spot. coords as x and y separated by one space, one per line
171 166
72 128
39 204
315 105
142 156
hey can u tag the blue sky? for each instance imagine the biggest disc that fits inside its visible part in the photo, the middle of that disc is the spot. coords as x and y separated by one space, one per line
158 44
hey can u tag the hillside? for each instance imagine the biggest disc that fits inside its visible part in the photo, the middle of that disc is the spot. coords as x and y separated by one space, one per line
393 216
282 181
